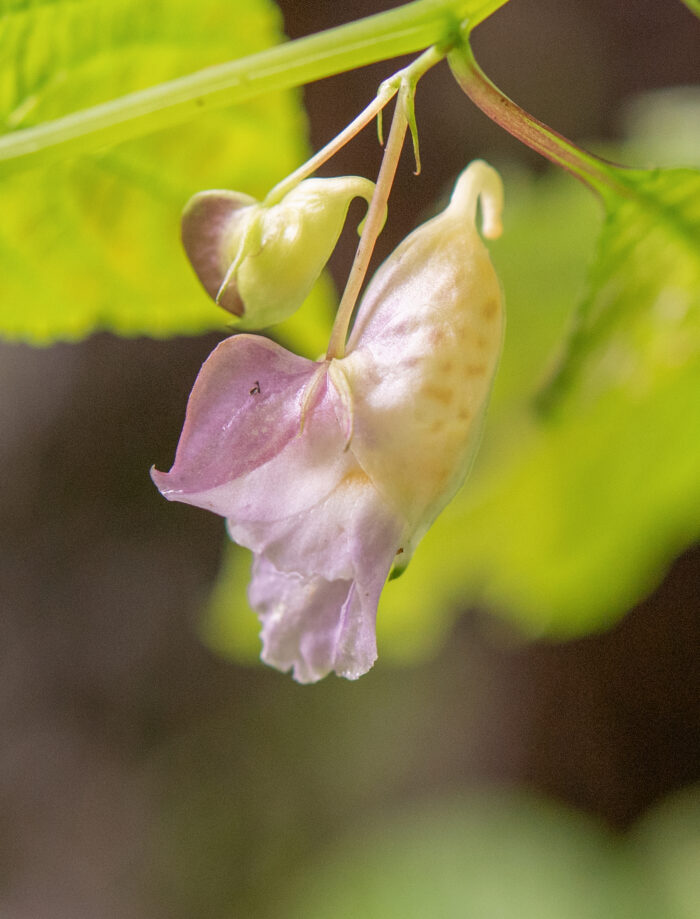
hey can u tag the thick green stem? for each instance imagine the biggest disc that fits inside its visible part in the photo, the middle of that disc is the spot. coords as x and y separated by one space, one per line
594 172
408 28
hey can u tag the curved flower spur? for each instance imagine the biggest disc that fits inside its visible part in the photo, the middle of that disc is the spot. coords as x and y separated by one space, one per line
331 471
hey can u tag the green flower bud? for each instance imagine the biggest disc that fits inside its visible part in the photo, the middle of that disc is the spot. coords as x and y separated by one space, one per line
260 262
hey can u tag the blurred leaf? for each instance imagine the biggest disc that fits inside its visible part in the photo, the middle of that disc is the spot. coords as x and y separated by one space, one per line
667 841
664 124
491 856
641 317
94 243
230 627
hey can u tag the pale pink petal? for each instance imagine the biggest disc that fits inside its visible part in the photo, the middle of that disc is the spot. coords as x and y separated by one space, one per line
243 411
316 586
303 624
308 463
324 537
348 529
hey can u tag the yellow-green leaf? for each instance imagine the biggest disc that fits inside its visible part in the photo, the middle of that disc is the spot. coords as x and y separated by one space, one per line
94 243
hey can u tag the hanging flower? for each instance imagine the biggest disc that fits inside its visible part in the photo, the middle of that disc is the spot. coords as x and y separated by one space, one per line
260 261
331 471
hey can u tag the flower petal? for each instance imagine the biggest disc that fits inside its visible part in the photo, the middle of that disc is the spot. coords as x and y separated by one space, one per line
243 411
423 354
208 224
317 584
309 466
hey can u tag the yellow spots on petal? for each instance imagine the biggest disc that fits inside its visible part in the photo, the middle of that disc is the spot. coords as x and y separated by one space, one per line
438 393
464 414
472 371
437 426
441 476
489 309
356 476
437 335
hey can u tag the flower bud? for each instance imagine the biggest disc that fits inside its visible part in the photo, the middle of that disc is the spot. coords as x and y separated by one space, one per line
260 262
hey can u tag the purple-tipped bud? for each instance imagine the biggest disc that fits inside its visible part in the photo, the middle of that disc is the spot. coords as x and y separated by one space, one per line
260 262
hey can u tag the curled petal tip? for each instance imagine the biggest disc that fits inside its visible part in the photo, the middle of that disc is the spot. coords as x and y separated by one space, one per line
480 181
160 480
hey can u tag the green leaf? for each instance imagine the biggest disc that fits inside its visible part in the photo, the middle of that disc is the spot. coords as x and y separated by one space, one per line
667 842
641 318
94 243
230 627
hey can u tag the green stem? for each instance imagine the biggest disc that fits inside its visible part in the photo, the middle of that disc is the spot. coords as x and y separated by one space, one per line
593 171
409 28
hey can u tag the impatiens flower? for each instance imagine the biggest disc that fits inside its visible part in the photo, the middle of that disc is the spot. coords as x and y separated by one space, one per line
259 262
331 471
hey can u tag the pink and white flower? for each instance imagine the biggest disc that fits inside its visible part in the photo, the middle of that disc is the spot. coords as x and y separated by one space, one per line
331 471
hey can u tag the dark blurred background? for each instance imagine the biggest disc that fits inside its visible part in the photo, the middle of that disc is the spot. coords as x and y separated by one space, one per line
142 776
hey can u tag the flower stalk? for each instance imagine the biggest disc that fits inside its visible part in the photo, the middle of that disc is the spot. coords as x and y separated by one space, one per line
370 231
403 117
386 92
591 170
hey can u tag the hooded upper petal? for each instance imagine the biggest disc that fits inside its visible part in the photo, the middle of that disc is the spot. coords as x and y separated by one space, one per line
423 354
